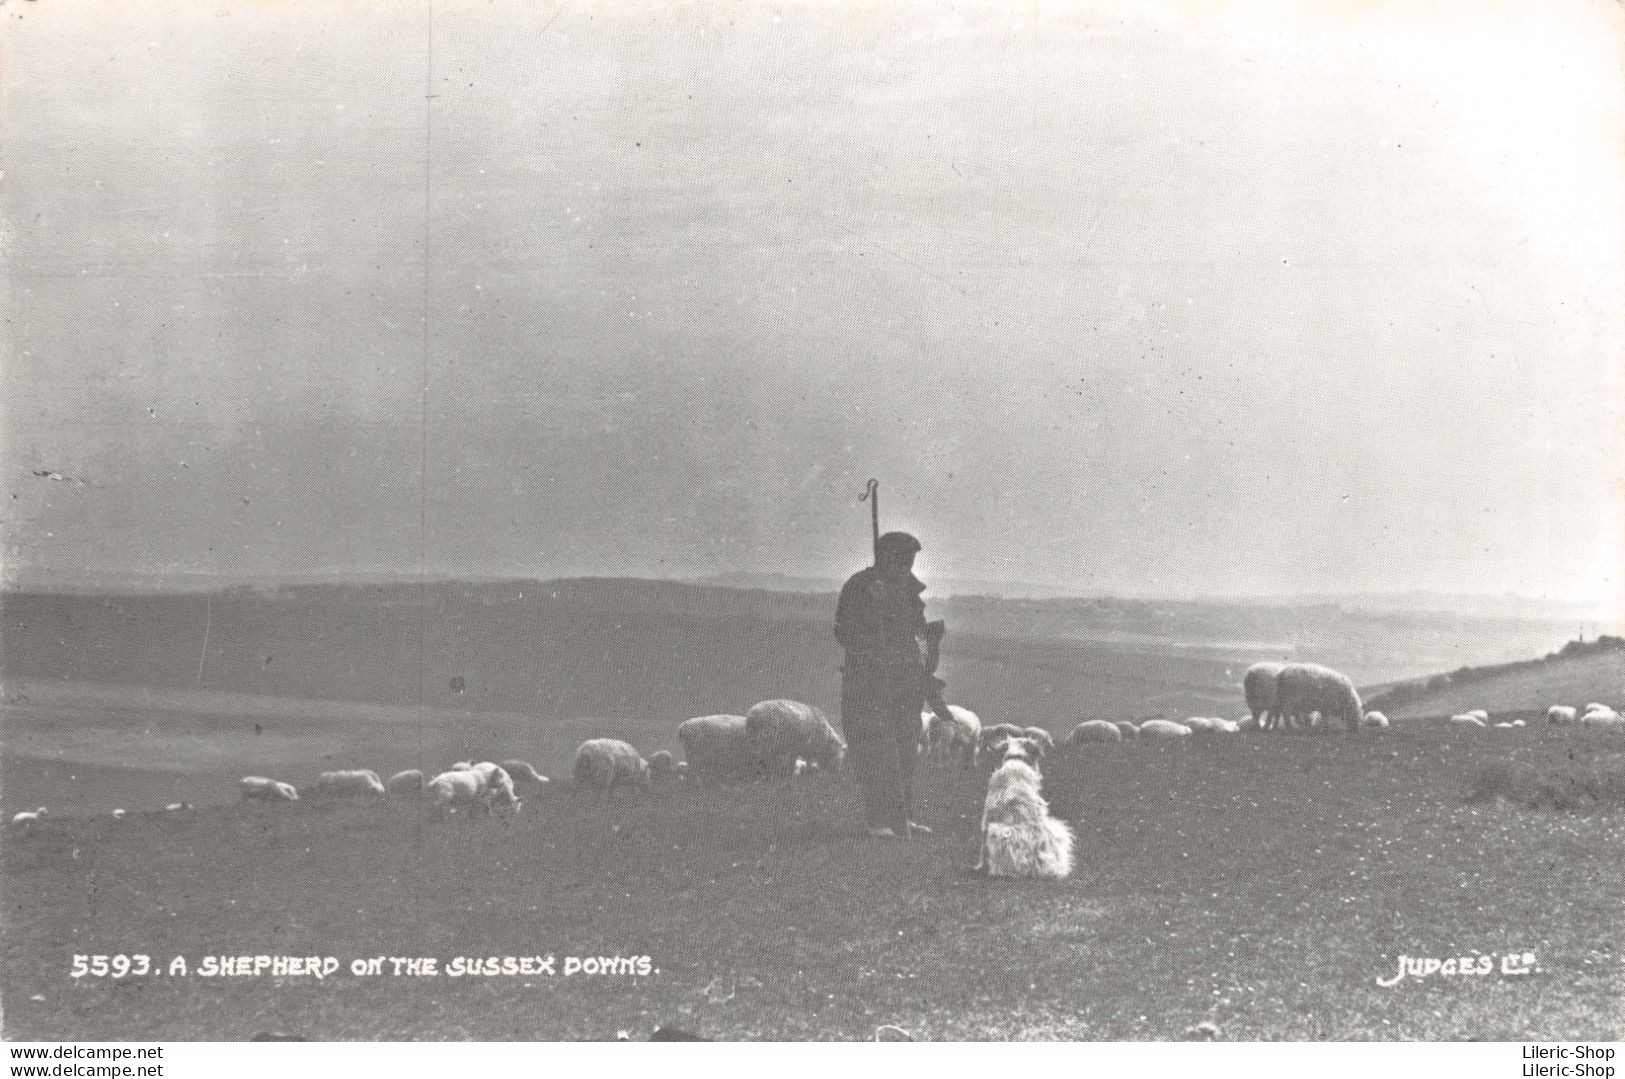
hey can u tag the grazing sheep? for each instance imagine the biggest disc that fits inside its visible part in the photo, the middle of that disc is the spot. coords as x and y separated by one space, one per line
524 774
1375 720
260 788
1041 736
349 784
1258 684
606 763
1163 728
662 768
1479 712
471 787
1595 706
1201 725
1094 730
31 816
780 731
409 782
1465 720
956 735
1603 718
717 748
178 807
118 814
1503 726
1220 725
1562 714
1302 688
1519 723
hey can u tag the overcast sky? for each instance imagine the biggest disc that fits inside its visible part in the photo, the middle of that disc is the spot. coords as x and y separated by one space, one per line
1222 303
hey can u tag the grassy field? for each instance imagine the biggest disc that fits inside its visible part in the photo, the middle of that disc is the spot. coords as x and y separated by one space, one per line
1571 681
1264 882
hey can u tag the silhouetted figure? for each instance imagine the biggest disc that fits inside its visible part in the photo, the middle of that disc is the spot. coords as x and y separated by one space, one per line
891 660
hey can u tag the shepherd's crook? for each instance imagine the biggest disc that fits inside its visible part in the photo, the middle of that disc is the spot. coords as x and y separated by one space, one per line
871 493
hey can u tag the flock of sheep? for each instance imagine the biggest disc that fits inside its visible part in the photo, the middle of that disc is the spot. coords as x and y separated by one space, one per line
788 738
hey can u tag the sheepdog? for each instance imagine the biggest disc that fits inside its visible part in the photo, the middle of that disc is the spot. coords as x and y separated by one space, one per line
1019 837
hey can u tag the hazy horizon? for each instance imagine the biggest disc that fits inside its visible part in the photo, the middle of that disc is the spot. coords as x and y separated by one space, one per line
1109 300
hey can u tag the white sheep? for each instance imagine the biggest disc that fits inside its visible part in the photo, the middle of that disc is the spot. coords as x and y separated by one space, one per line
409 782
352 783
782 730
1466 720
1163 728
717 747
955 735
606 763
1304 688
118 814
1094 730
1258 684
485 787
1519 723
31 816
1201 725
1479 712
178 807
1375 720
261 788
524 775
1562 714
1595 706
1603 718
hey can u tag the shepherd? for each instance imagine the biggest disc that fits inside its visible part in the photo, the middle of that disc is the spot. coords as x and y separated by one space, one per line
890 672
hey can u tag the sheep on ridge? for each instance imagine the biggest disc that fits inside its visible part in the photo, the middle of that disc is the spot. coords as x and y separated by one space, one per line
261 788
780 731
350 784
1094 730
1163 728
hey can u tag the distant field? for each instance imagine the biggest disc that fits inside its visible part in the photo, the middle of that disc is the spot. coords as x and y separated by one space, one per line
1571 681
1263 882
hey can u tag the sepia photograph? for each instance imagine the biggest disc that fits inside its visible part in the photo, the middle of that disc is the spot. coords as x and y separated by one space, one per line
771 521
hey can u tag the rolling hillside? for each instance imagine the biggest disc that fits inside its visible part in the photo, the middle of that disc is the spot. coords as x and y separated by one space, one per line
1599 677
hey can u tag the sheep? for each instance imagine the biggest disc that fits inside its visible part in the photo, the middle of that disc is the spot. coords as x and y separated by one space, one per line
1594 706
524 774
350 784
1465 720
1041 736
662 768
1129 730
1220 725
1258 684
998 732
1561 714
1302 688
1603 718
717 747
1375 720
1479 712
409 782
1201 725
472 786
31 816
1094 730
606 763
178 807
118 814
957 734
1519 723
779 731
1163 728
261 788
1503 726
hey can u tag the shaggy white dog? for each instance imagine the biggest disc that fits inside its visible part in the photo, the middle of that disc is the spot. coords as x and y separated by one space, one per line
1019 837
